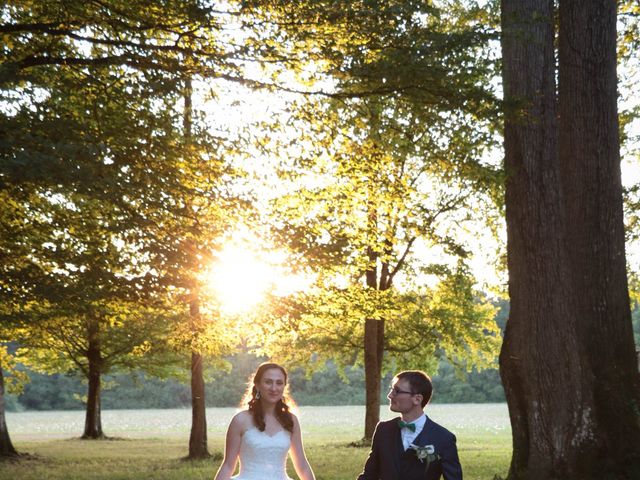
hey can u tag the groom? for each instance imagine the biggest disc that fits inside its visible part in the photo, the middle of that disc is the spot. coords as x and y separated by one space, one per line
411 447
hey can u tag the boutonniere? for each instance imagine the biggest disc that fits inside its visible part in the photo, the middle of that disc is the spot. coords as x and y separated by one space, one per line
426 453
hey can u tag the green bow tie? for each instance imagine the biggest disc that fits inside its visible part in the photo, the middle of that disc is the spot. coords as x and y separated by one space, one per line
410 426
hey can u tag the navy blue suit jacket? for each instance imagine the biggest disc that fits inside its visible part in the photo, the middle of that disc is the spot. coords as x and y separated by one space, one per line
389 461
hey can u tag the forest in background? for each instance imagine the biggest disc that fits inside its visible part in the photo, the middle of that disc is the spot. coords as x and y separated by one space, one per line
225 389
133 391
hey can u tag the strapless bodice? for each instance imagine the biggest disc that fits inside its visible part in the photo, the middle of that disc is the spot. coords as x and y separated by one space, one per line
262 456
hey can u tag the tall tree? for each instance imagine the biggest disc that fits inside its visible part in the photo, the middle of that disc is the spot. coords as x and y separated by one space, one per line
567 362
409 112
198 446
18 281
589 149
368 199
94 149
88 260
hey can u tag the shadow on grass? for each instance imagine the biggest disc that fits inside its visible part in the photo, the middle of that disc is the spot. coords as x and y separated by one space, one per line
363 443
216 457
20 458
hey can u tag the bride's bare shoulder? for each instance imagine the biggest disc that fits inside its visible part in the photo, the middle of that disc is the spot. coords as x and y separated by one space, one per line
242 420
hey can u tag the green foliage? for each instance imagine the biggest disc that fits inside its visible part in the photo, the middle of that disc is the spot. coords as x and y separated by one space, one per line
116 208
448 320
372 199
629 30
60 344
12 404
382 179
14 377
476 387
53 392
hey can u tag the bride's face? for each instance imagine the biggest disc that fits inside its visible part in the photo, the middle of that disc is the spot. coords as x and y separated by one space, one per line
271 385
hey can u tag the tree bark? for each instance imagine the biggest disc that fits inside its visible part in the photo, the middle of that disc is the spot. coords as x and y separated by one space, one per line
540 389
7 449
198 444
373 351
560 359
93 416
592 186
373 336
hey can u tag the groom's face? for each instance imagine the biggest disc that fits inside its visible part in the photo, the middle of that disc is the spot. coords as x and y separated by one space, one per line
401 398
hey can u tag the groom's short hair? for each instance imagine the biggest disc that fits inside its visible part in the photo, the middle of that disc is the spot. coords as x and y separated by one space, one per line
420 383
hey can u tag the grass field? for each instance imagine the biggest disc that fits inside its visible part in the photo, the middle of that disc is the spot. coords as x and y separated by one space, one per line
150 444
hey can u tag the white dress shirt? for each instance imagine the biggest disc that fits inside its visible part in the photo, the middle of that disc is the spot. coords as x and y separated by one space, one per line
408 436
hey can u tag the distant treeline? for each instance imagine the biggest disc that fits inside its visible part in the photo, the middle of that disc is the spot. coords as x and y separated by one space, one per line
132 391
226 389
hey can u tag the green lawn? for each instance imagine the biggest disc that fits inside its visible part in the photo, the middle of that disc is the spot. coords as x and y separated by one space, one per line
153 449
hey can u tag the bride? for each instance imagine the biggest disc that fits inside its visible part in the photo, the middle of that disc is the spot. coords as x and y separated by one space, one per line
262 435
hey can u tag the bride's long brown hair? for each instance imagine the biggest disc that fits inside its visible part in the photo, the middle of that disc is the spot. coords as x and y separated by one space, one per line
254 405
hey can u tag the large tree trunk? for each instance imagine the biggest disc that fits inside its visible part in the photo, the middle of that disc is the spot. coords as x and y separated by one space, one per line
551 377
539 358
93 416
591 181
6 447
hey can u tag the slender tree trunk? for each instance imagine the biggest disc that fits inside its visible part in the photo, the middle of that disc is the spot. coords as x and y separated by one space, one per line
373 340
198 447
93 417
373 372
6 447
198 444
591 181
557 363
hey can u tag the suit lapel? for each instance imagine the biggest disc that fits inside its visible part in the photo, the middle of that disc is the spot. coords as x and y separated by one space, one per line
397 446
422 439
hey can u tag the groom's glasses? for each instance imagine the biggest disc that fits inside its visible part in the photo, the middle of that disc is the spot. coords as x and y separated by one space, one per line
396 391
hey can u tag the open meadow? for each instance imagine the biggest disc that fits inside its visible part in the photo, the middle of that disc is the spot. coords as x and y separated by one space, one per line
151 444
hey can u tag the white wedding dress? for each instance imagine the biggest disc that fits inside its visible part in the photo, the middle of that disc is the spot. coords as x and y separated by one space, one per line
263 456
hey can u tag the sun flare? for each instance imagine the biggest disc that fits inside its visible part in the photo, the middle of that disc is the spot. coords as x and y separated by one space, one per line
240 278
